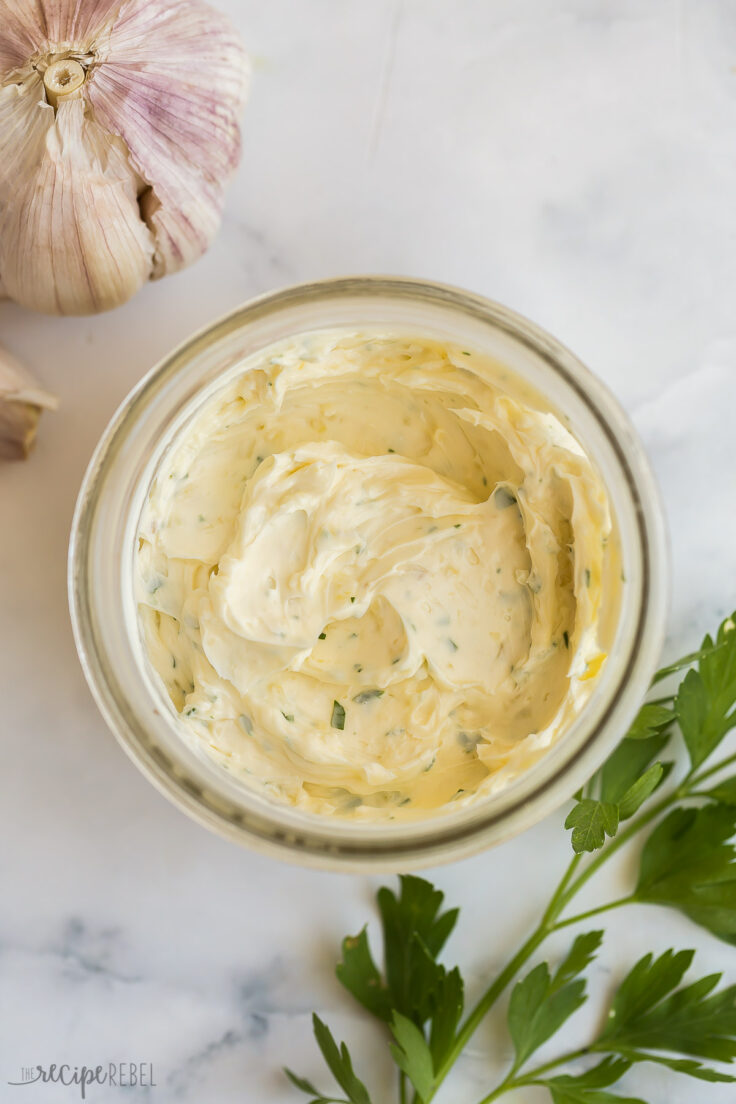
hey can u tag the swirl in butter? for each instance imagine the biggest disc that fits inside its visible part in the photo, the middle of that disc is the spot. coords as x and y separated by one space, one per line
370 571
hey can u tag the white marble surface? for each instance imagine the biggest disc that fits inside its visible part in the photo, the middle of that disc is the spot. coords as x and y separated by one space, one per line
574 160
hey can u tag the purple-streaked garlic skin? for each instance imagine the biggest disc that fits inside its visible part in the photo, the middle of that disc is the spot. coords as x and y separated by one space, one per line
125 181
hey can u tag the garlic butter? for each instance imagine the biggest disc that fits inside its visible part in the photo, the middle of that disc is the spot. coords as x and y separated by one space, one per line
370 574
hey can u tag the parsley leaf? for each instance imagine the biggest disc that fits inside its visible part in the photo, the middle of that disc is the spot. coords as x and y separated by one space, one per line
591 821
579 957
624 782
359 974
641 789
414 933
706 698
692 714
718 664
649 1012
308 1087
416 986
412 1055
302 1083
446 1013
340 1063
695 657
588 1087
626 765
540 1003
688 863
651 719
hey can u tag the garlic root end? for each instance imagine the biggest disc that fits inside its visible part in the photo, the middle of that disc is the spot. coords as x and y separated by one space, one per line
63 80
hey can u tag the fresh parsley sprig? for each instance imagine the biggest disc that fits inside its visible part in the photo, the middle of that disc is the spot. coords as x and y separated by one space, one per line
688 862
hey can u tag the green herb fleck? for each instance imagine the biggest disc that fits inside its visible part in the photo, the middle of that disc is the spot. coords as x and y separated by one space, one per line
452 643
338 715
323 636
469 741
566 638
503 498
246 723
587 576
367 695
287 716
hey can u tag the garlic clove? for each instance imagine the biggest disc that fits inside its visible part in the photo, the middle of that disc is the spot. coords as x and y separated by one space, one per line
21 401
172 85
73 242
18 426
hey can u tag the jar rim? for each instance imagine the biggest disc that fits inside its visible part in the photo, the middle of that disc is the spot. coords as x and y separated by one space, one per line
317 840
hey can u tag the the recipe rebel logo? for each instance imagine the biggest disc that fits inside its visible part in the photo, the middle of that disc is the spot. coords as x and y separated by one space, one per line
123 1075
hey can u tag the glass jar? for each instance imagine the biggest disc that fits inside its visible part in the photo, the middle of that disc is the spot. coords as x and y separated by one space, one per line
104 534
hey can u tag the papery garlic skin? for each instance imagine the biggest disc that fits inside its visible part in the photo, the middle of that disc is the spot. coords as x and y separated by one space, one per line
124 180
22 400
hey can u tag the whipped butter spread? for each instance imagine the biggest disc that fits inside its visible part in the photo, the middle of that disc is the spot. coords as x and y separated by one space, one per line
370 574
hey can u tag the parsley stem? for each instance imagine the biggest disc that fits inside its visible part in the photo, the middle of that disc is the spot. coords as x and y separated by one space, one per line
486 1002
568 887
594 912
491 995
534 1076
562 896
402 1087
553 909
696 779
504 1086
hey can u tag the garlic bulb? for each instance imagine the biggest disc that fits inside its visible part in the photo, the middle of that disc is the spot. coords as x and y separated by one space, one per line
118 131
21 401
